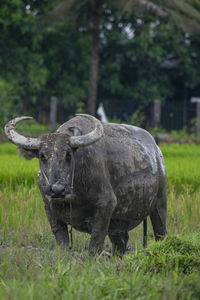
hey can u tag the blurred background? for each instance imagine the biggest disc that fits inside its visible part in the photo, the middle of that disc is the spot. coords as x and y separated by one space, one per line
135 61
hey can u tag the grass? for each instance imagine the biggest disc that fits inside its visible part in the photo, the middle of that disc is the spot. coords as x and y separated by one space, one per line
33 267
29 128
182 163
32 128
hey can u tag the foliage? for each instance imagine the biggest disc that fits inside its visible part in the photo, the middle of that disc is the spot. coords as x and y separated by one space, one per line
46 64
67 62
158 131
98 17
32 128
22 73
80 108
137 118
6 92
29 128
115 120
142 58
181 134
184 12
175 253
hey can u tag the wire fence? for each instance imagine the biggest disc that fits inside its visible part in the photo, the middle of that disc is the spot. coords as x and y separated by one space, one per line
173 115
176 115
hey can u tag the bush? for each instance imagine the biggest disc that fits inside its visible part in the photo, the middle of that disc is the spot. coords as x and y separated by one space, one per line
175 253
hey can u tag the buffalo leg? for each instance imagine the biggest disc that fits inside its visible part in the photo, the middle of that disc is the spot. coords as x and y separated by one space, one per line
61 235
145 233
101 221
59 229
99 231
158 218
119 242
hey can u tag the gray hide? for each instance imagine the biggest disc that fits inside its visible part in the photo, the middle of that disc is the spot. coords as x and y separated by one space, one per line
119 180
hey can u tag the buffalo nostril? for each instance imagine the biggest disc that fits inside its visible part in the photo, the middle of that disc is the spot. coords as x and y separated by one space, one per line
51 192
58 189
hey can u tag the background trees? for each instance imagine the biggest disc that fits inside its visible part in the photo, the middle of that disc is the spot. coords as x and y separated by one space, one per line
91 14
136 58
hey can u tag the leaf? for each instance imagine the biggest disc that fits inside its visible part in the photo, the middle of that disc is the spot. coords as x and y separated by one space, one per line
59 13
147 6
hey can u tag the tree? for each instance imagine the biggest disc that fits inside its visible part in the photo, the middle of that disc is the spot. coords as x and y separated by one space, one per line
91 20
185 13
180 10
94 64
65 55
37 64
21 67
159 62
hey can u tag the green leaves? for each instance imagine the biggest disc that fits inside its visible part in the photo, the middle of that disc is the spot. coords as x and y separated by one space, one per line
142 58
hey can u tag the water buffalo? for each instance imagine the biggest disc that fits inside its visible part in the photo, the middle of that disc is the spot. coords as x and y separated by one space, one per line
99 178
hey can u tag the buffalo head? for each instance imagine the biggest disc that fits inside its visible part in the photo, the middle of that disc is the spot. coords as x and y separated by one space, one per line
55 152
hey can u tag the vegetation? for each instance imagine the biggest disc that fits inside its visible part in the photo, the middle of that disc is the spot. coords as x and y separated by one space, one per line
141 57
91 16
32 266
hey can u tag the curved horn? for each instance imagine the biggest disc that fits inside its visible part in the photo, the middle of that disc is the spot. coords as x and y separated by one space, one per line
89 138
18 139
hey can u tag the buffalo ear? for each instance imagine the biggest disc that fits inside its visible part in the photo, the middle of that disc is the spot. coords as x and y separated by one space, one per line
75 131
28 153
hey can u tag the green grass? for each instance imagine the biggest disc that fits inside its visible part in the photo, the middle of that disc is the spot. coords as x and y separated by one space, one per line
29 128
182 163
32 128
33 267
15 170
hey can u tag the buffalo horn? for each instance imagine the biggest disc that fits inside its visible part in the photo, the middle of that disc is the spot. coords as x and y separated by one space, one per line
89 138
18 139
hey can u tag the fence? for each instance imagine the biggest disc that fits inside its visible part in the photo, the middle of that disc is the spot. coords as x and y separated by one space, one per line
170 115
177 114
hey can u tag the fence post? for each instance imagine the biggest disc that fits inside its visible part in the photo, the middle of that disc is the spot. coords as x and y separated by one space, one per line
53 113
197 101
198 119
156 113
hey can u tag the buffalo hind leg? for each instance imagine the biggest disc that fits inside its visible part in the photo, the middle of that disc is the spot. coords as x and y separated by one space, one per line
119 242
145 233
158 220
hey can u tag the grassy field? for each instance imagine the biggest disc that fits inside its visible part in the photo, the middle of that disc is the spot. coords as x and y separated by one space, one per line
32 266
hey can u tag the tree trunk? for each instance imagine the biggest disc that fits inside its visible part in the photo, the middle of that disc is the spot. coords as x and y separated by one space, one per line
94 63
53 113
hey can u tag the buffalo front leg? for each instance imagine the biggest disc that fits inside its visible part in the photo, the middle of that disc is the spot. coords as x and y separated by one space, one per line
101 224
59 229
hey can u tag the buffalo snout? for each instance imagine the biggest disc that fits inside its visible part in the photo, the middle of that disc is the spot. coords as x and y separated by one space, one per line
57 190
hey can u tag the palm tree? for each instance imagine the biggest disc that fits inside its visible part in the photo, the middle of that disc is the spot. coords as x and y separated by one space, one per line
186 14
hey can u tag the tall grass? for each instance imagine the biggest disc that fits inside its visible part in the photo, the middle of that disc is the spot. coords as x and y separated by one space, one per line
182 166
183 176
15 170
32 266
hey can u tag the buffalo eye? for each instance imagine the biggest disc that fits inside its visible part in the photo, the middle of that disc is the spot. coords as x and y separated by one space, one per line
68 155
42 157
